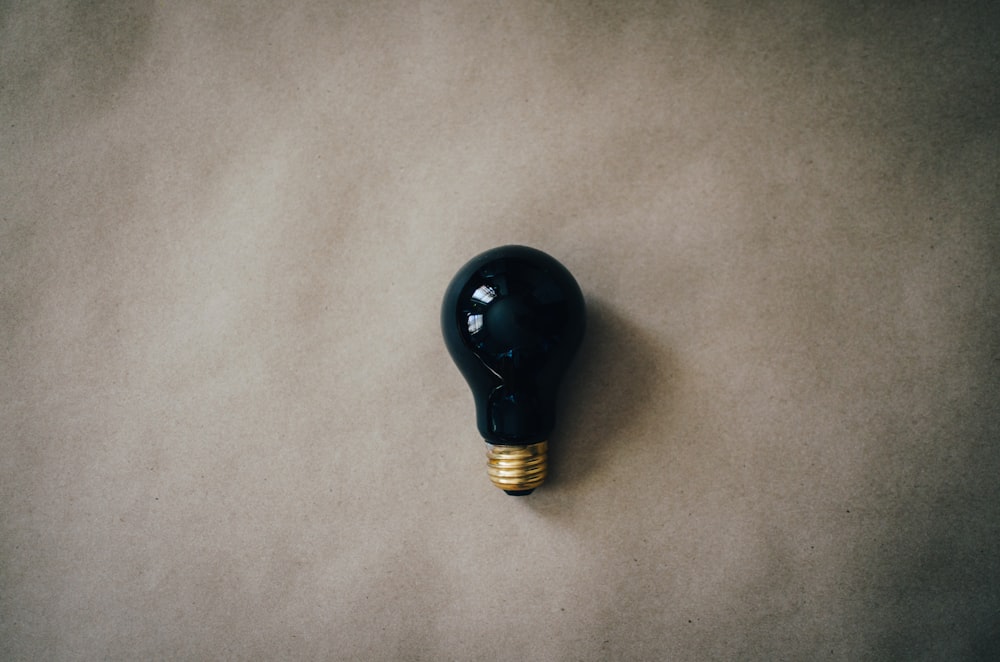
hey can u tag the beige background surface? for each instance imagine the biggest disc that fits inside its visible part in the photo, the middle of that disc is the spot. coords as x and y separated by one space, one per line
229 428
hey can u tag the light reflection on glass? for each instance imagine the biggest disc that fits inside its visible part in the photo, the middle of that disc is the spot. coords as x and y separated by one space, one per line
484 294
475 323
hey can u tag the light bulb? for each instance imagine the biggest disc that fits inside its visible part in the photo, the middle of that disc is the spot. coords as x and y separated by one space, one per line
513 318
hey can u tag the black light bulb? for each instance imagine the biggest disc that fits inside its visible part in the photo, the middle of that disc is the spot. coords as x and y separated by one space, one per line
513 318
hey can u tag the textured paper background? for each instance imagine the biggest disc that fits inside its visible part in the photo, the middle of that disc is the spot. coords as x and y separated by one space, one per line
229 428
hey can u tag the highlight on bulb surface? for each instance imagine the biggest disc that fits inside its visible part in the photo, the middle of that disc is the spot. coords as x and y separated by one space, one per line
512 319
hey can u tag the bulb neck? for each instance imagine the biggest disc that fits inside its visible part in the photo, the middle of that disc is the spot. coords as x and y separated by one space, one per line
517 470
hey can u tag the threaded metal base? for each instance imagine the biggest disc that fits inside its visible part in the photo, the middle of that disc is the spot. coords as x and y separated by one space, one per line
517 469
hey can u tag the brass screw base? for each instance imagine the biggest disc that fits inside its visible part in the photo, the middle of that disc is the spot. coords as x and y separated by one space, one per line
517 469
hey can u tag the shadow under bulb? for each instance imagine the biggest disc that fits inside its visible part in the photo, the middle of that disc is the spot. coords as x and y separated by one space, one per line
512 318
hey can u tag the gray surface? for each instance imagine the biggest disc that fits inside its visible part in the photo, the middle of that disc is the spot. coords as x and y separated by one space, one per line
229 427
